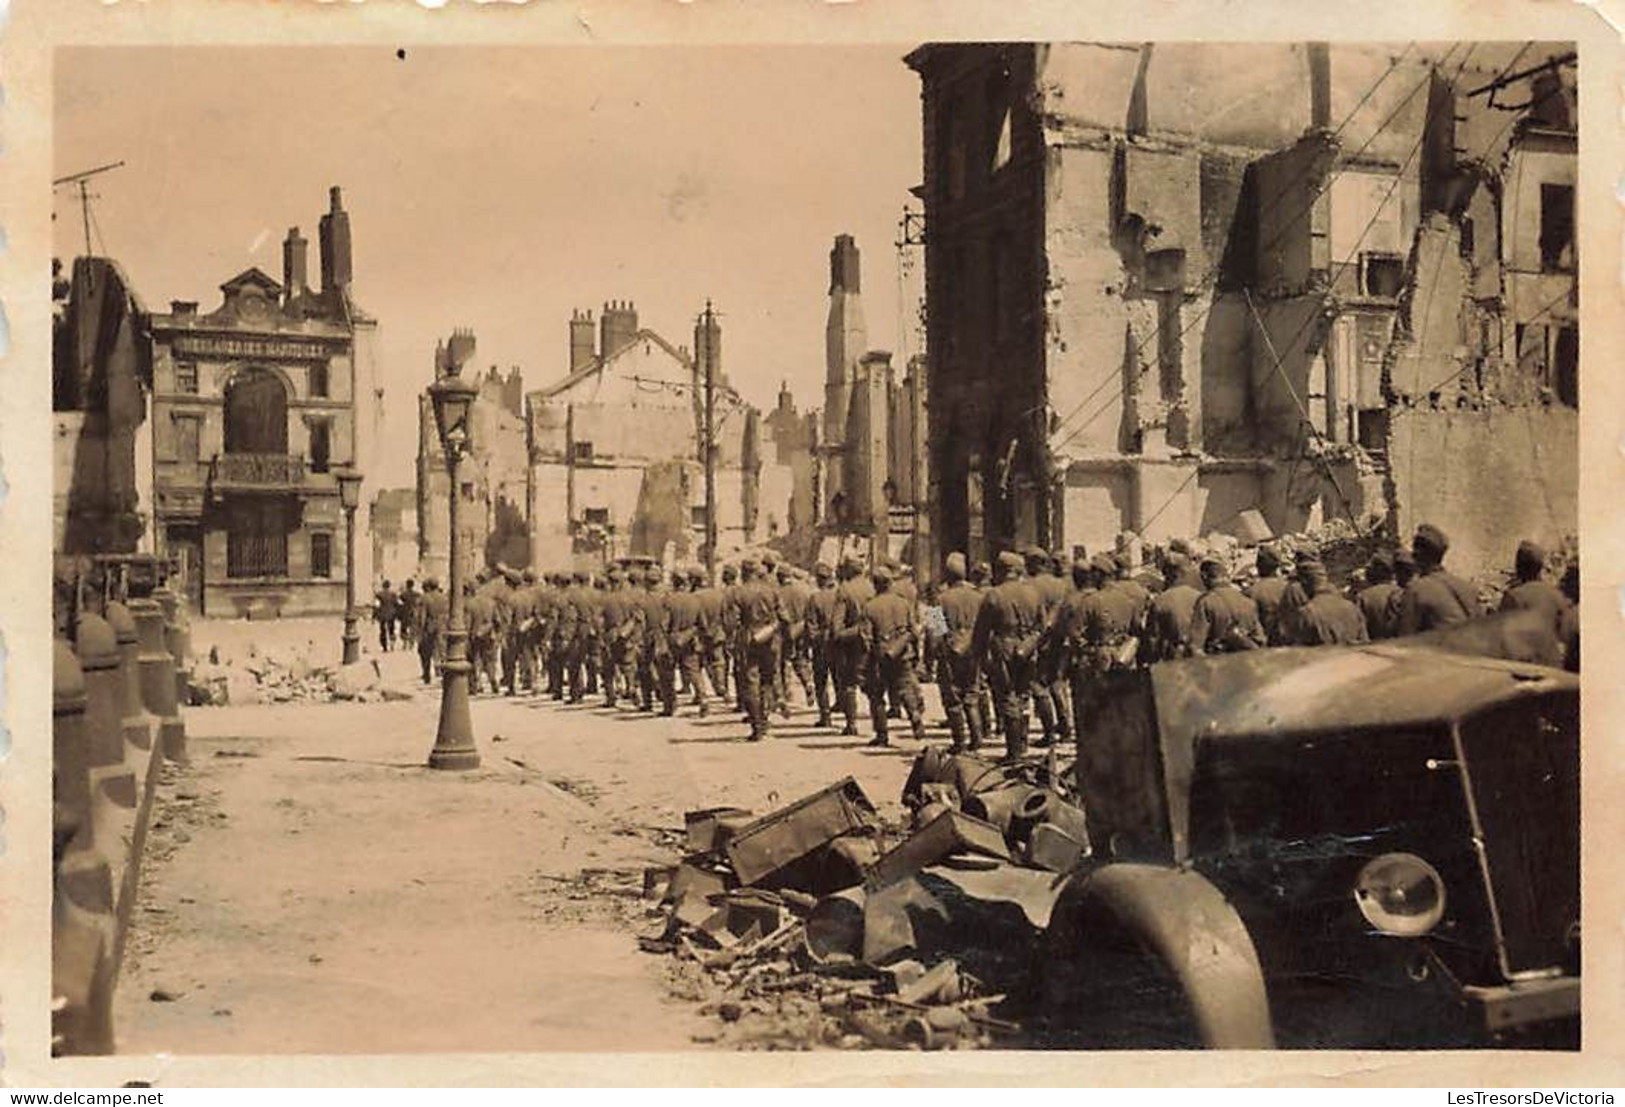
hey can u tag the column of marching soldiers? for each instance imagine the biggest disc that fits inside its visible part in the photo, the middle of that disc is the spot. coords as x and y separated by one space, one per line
1031 634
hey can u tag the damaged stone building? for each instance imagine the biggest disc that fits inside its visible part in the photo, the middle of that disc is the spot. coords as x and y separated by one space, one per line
1169 284
871 434
100 378
616 456
496 509
254 406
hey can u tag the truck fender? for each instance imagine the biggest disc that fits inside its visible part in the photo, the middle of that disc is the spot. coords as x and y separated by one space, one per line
1185 923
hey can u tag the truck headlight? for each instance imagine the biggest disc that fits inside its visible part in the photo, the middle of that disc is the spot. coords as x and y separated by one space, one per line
1400 894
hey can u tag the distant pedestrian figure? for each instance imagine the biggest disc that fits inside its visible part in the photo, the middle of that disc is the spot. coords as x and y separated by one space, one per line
384 611
406 613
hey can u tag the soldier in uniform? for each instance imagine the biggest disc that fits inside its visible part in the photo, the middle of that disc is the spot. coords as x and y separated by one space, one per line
757 606
1437 597
1222 619
714 641
520 673
687 622
1054 585
502 587
1098 624
1138 594
1326 618
431 628
957 677
889 636
1267 593
1569 629
573 635
1008 627
1168 626
622 629
1050 593
1378 600
981 578
1533 592
481 611
851 657
794 600
657 644
820 622
731 585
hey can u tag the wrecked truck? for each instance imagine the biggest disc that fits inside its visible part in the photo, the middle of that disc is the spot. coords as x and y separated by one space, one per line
1372 846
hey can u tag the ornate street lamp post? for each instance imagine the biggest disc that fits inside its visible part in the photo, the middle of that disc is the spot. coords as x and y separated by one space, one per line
349 498
453 400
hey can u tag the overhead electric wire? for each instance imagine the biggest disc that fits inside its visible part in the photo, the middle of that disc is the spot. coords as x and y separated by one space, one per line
1341 267
1292 183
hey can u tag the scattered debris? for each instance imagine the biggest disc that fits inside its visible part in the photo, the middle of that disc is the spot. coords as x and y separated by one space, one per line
816 924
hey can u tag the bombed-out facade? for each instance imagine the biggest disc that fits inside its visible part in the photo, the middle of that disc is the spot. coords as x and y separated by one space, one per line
254 407
1169 285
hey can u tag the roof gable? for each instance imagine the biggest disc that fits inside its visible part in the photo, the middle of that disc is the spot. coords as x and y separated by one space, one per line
252 277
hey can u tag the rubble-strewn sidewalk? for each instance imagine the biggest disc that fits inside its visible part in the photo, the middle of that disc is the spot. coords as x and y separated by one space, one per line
319 890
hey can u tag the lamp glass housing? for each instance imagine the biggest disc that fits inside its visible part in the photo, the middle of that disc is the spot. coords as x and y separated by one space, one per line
453 400
349 488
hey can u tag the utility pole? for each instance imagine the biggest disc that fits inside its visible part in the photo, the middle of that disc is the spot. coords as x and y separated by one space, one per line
81 181
706 350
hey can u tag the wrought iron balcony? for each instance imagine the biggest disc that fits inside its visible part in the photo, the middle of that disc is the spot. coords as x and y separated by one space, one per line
258 471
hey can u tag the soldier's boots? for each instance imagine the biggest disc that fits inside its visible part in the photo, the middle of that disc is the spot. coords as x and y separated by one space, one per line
956 730
878 718
849 708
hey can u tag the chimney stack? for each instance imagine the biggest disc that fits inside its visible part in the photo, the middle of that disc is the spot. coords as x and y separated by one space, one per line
582 340
843 265
1320 86
294 281
618 328
334 234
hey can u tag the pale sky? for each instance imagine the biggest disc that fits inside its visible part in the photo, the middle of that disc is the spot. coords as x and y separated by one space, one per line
500 188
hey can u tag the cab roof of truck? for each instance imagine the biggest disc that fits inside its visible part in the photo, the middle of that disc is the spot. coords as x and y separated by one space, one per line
1401 684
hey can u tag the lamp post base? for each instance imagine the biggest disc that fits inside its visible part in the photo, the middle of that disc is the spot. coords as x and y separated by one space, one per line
454 740
352 641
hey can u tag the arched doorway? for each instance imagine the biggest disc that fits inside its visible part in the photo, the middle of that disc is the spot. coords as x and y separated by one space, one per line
256 413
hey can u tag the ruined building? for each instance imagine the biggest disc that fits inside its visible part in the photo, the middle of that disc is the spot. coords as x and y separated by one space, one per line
254 405
495 475
616 456
871 443
100 378
1167 284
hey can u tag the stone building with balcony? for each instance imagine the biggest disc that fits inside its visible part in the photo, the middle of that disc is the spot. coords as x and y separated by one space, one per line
254 406
1171 285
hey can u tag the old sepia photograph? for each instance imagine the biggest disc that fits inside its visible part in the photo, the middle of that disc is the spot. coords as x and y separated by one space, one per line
927 546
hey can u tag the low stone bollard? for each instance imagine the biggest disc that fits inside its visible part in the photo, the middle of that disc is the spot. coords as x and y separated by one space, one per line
114 797
84 928
177 640
158 678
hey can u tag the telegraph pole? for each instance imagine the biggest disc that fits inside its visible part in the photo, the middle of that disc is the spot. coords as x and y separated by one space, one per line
81 181
707 352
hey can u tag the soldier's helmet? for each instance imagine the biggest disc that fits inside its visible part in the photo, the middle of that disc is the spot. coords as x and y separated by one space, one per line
823 571
696 576
729 574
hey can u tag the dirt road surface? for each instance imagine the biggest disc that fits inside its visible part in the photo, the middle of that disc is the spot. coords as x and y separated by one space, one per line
312 887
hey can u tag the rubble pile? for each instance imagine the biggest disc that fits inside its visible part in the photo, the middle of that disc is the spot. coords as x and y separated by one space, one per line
817 924
285 676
